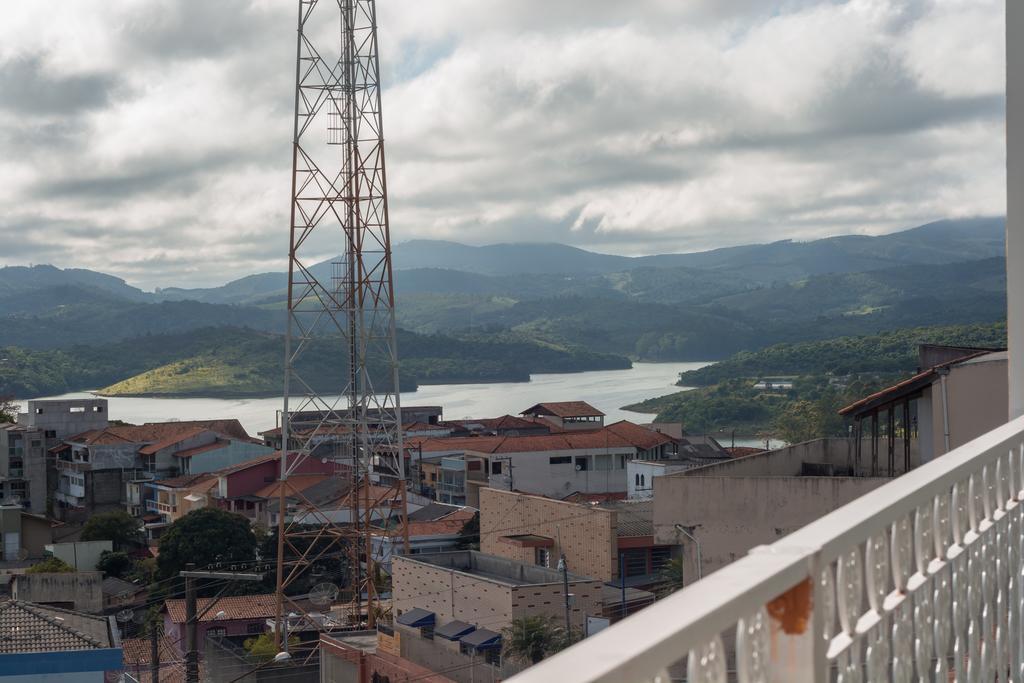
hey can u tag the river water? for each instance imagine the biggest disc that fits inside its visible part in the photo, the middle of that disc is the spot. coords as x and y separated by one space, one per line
607 390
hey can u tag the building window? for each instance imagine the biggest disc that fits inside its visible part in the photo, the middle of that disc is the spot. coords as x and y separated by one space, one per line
39 411
560 460
50 433
254 628
542 557
473 465
427 632
642 482
97 409
36 443
636 479
496 467
582 463
77 409
216 632
634 562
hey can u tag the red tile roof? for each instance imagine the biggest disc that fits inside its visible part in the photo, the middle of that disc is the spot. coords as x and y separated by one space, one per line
622 434
188 453
564 409
172 439
449 524
237 607
137 651
299 482
184 481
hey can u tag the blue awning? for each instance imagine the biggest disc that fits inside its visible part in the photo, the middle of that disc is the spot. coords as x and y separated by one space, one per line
482 639
416 618
454 630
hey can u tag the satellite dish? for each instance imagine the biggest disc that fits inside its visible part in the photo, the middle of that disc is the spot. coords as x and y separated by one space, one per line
22 554
323 594
125 615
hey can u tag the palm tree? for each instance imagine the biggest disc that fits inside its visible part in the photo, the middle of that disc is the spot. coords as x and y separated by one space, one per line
670 578
534 638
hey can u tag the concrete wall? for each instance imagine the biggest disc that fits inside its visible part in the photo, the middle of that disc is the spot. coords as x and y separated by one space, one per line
82 555
731 515
640 476
63 417
978 394
83 589
534 473
588 533
488 602
233 454
788 461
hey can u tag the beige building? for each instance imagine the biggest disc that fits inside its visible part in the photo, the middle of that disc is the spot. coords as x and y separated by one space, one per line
959 395
719 512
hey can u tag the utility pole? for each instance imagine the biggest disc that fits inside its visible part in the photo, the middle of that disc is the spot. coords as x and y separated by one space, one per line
154 652
192 614
564 568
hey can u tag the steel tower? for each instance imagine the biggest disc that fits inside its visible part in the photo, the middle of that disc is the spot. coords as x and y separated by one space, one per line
341 402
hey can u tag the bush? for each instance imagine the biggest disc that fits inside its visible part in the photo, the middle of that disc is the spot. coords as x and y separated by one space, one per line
51 565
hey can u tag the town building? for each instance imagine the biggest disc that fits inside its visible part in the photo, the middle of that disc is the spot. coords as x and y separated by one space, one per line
432 529
23 535
552 465
234 617
450 608
137 657
691 451
567 415
362 657
612 541
959 394
23 467
80 590
43 643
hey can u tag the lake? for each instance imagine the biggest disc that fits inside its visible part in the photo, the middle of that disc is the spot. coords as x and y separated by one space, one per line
607 390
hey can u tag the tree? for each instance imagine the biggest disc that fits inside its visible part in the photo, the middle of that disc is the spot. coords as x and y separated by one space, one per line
118 527
51 565
204 537
670 578
800 421
469 535
531 639
262 646
115 564
8 409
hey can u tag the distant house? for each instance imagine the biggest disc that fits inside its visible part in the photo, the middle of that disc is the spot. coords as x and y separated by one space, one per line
100 469
119 594
237 617
567 414
23 535
434 528
138 659
42 643
23 467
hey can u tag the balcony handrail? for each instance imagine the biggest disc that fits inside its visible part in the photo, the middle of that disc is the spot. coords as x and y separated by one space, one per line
933 520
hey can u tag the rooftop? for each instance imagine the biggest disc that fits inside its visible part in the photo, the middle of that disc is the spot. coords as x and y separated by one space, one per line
564 409
236 607
490 567
28 627
622 434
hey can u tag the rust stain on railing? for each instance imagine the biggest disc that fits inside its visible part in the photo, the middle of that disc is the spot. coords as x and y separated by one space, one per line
792 609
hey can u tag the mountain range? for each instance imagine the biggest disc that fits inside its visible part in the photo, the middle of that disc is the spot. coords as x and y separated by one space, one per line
503 311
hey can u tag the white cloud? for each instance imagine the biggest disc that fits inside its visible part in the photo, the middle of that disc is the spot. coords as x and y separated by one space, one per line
639 126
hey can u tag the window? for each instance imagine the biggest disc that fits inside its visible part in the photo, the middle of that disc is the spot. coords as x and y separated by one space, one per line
50 433
473 465
602 462
621 461
254 628
642 482
582 463
433 476
39 411
97 409
634 562
216 632
636 479
496 467
542 557
36 443
77 409
427 632
560 460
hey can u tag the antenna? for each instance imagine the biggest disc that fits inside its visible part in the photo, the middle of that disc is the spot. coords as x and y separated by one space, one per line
323 594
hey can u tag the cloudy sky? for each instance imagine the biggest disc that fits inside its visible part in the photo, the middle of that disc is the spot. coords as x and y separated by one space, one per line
150 138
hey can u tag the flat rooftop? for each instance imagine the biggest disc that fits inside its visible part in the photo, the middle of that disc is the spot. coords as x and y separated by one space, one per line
491 568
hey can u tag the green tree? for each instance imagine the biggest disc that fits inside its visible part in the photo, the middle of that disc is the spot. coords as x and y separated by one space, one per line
8 409
670 578
116 564
262 646
799 421
204 537
118 527
531 639
469 535
51 565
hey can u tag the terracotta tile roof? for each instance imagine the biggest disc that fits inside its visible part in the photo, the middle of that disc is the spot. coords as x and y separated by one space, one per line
237 607
633 517
450 524
137 651
172 439
581 497
743 451
231 427
299 482
185 480
189 452
564 409
622 434
641 437
27 627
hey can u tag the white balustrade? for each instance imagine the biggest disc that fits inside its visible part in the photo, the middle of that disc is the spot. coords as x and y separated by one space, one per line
919 580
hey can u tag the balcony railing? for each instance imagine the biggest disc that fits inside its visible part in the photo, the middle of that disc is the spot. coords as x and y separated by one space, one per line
921 579
157 506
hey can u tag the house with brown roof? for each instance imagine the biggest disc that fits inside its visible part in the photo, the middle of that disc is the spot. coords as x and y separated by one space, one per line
237 617
567 414
553 465
53 644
